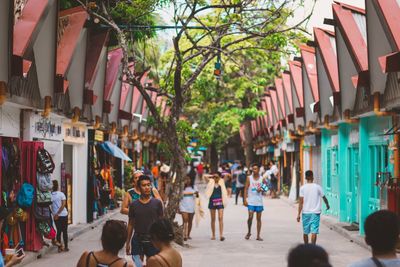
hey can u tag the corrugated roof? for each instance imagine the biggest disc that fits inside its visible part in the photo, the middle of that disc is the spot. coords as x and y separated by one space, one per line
288 91
96 42
113 64
25 29
295 73
353 36
391 14
328 54
280 95
310 65
69 40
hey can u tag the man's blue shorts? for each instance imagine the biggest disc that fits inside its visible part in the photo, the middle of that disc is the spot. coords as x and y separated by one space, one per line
255 208
311 223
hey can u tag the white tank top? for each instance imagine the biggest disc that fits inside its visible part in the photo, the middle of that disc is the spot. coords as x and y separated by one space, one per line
254 198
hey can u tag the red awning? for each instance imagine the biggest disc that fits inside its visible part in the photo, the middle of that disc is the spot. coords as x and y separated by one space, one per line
351 33
391 10
280 96
288 92
113 64
25 29
295 72
310 65
328 55
76 18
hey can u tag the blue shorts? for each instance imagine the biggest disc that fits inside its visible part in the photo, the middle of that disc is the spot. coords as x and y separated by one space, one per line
311 223
255 208
140 246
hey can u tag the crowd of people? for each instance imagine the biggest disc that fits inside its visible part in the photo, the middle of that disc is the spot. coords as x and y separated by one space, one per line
148 234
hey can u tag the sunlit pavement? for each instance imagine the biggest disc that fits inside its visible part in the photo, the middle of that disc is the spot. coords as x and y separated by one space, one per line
280 232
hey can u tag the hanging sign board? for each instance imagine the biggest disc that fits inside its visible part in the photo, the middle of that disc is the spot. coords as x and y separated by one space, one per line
98 136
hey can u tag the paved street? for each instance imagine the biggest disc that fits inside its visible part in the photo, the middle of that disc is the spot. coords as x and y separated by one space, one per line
280 233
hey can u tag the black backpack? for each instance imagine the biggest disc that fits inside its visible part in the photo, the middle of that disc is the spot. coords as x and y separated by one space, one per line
44 162
242 178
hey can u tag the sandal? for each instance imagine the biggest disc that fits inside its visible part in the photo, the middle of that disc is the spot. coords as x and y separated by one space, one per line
60 249
247 237
212 238
222 238
259 239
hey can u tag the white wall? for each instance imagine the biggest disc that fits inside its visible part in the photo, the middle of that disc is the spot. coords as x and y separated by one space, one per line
9 120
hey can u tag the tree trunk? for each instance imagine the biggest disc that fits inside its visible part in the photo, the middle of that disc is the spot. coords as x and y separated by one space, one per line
213 158
248 149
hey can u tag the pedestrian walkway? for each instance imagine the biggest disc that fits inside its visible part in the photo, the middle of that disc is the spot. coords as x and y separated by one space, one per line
280 231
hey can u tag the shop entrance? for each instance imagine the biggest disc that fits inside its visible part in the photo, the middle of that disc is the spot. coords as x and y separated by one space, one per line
352 197
66 178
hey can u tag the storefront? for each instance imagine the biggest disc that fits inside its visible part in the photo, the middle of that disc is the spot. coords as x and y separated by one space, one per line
74 169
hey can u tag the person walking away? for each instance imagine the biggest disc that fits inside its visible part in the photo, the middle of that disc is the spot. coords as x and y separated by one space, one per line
187 207
156 173
142 214
192 173
14 259
308 255
133 194
274 178
254 200
382 235
240 183
162 234
113 237
200 171
60 215
218 199
310 207
164 173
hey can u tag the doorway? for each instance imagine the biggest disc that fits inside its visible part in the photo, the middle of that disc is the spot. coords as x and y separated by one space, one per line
66 179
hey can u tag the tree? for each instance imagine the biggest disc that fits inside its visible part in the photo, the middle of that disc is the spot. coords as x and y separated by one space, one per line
237 22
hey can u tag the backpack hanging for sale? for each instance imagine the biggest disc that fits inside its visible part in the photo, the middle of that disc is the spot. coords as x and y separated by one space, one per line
44 162
44 182
43 198
25 195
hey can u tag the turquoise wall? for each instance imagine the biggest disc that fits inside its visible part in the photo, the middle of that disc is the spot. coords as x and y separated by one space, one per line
330 172
374 157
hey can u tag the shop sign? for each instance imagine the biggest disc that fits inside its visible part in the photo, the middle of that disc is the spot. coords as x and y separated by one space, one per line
310 140
354 137
334 140
74 133
98 136
47 128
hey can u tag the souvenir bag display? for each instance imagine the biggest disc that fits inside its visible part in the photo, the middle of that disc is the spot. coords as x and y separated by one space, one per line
44 162
43 198
25 195
44 183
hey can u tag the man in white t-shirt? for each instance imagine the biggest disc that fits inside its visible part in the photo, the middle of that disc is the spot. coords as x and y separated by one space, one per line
310 207
274 178
382 230
60 214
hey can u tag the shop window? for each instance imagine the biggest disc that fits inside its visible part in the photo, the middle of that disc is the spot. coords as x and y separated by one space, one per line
328 171
379 163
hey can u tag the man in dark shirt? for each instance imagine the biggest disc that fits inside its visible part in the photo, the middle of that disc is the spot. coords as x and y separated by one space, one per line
142 214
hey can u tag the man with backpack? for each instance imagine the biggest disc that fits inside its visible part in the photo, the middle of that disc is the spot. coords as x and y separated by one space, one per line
241 177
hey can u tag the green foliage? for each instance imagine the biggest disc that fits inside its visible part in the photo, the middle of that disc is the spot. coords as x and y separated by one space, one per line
220 106
128 178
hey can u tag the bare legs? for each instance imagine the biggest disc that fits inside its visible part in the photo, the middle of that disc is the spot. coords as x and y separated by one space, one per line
187 224
221 223
250 222
313 239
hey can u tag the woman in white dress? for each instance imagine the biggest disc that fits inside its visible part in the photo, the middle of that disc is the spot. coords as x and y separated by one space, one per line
187 207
